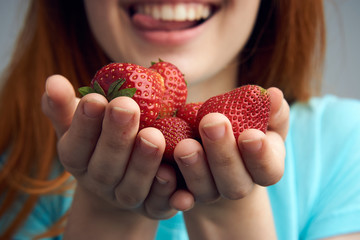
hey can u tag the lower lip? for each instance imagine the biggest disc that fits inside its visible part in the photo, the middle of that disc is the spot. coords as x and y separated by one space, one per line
171 38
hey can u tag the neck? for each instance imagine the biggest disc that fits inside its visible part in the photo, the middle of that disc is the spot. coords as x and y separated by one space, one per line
222 82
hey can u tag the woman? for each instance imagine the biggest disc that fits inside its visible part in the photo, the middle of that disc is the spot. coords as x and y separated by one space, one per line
272 44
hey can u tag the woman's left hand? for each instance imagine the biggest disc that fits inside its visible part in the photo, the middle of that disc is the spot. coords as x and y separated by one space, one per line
224 168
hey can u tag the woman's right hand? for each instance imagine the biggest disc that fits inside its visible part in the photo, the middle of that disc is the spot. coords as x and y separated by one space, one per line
118 168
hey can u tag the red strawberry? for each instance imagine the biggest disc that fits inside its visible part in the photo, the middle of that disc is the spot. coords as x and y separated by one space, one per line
246 107
175 87
188 112
174 130
145 86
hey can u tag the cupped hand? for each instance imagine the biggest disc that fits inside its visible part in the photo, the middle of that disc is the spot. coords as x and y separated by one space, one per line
100 145
227 168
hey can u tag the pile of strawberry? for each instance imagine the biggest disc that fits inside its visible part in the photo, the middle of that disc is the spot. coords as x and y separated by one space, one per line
161 91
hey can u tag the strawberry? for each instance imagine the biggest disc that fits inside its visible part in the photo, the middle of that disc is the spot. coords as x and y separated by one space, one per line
175 87
174 130
188 112
145 86
246 107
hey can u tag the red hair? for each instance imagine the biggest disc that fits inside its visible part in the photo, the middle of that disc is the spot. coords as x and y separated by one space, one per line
27 136
286 50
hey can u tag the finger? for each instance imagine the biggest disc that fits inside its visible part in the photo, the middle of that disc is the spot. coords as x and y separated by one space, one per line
279 113
76 146
230 175
59 102
157 203
190 158
182 200
114 146
141 170
263 155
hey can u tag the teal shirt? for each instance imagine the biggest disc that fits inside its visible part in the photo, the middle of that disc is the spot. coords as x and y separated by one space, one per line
318 196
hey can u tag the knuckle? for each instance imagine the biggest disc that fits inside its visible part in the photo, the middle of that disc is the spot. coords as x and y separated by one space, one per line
113 144
270 179
116 145
267 172
143 171
65 157
273 180
128 200
68 159
207 198
224 161
160 214
103 177
264 167
238 193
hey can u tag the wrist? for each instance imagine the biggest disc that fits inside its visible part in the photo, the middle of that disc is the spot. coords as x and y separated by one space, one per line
231 219
93 218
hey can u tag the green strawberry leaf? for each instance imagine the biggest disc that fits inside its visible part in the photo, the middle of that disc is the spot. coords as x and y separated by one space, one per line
113 91
115 86
86 90
99 89
128 92
153 63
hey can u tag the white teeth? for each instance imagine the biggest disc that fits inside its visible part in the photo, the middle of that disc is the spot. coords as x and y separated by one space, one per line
167 12
155 12
175 12
180 12
191 14
205 13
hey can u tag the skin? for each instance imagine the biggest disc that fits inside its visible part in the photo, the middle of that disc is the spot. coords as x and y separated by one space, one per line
115 33
123 188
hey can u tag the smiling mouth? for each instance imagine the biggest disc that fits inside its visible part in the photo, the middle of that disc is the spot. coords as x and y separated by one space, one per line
170 17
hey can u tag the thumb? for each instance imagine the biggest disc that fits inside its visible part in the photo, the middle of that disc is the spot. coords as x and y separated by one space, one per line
59 103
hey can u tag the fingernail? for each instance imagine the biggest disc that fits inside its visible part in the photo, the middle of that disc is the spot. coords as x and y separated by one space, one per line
121 115
93 108
189 159
214 131
161 180
147 147
252 145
